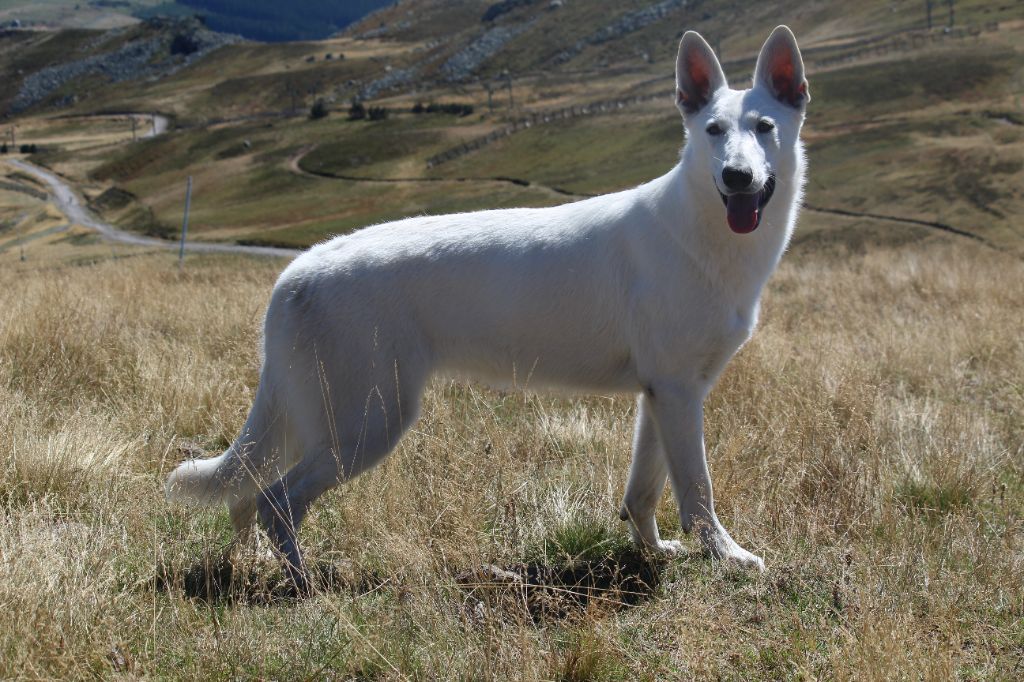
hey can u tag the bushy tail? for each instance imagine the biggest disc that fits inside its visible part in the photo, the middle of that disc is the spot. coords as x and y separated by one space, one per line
201 481
238 472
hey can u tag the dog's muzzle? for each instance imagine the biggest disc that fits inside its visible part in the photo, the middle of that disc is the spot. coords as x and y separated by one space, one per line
744 209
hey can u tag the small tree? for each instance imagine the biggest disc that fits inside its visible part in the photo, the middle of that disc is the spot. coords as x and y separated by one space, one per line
319 109
378 113
3 148
357 111
32 148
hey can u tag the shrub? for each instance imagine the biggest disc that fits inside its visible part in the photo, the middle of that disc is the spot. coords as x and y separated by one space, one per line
319 109
378 113
436 108
3 148
184 44
357 111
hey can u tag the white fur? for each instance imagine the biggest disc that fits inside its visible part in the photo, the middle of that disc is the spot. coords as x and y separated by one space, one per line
644 291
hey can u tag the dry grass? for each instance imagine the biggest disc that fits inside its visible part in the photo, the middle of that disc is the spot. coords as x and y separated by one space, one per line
868 442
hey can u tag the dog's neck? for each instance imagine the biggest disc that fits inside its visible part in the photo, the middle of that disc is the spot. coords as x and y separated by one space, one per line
687 204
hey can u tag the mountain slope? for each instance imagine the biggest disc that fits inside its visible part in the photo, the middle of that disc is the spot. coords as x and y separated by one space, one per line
908 128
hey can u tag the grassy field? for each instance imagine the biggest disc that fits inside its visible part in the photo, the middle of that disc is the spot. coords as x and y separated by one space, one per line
867 442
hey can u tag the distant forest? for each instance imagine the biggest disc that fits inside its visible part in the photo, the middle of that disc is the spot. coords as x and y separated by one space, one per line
275 21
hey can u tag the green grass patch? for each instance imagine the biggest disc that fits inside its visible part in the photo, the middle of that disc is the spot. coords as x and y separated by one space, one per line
923 79
364 146
934 498
586 155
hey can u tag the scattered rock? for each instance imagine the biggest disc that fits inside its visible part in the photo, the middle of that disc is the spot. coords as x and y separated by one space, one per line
112 199
627 23
175 45
391 79
488 575
119 660
461 65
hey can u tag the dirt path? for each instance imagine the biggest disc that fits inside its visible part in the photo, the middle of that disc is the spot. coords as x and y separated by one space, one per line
896 219
293 165
69 204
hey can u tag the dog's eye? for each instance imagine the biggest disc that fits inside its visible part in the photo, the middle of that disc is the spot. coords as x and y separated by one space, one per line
714 129
765 126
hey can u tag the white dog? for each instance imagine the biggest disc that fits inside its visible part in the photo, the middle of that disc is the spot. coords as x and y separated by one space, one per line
646 291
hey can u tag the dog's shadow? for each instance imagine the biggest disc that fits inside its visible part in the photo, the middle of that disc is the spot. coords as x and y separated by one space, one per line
552 590
562 589
219 578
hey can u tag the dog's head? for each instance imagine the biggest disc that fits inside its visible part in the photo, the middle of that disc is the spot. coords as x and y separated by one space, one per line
744 138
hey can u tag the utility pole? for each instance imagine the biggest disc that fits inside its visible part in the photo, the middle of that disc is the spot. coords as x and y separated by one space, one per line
184 224
508 82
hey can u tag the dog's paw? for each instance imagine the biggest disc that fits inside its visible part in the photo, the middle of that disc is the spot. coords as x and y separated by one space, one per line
728 552
745 560
667 548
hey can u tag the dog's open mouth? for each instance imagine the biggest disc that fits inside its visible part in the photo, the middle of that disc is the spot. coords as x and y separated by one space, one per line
743 210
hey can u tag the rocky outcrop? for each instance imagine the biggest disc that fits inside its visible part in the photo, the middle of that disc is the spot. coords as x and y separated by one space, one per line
168 47
464 63
627 23
394 78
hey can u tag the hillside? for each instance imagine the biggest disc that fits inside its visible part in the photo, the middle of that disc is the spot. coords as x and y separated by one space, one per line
888 94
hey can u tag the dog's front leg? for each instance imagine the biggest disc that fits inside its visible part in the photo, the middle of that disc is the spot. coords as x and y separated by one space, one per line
678 413
647 476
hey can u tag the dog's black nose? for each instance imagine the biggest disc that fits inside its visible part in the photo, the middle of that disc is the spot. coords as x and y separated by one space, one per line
737 179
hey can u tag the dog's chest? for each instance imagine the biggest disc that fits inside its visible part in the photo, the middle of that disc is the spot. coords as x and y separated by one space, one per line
722 341
696 339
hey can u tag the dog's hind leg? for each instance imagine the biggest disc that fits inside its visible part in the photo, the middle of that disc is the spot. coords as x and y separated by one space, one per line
243 516
362 436
283 505
647 476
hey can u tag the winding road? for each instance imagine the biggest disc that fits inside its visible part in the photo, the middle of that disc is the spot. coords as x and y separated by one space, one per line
71 206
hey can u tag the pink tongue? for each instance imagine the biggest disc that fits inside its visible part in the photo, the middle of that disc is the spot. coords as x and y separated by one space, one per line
742 212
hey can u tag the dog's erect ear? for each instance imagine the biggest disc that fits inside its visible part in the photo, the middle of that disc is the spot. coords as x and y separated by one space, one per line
780 69
698 73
